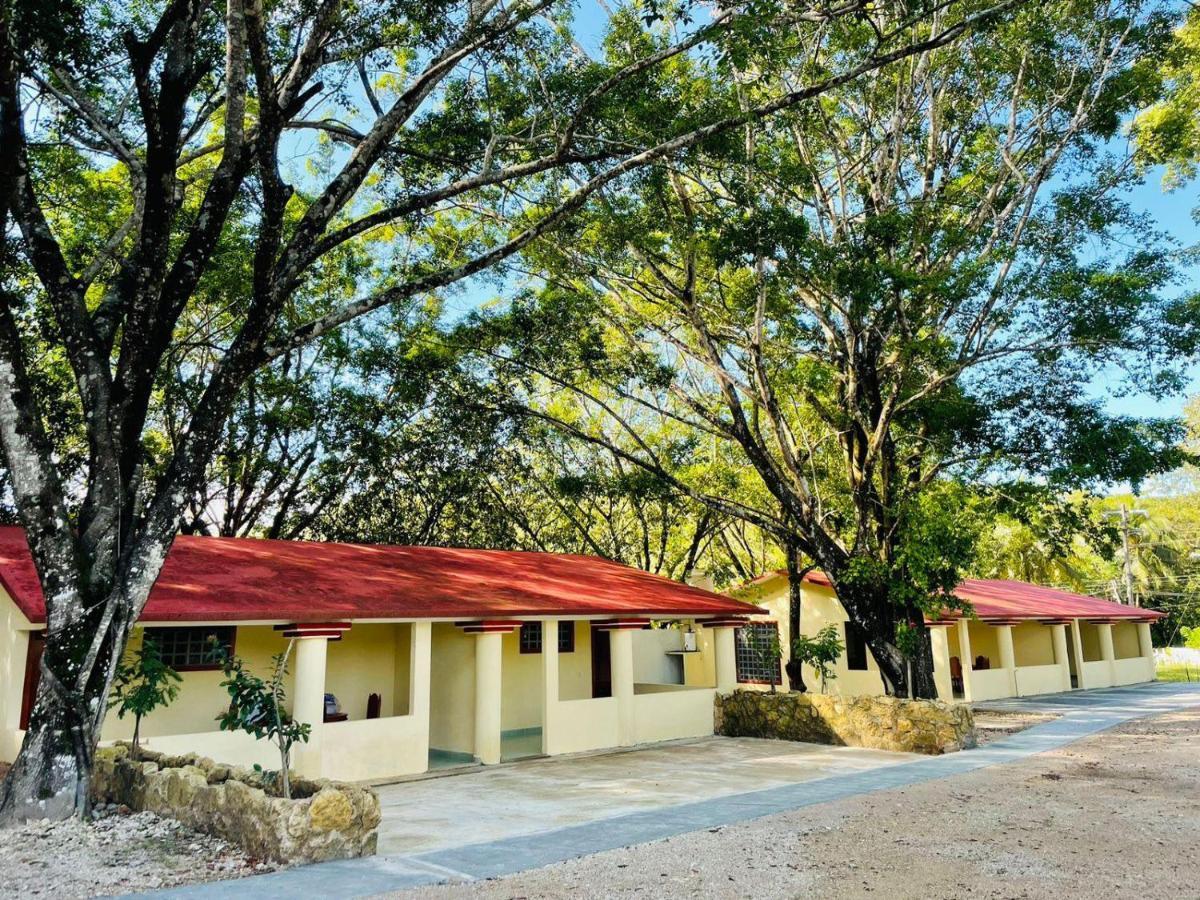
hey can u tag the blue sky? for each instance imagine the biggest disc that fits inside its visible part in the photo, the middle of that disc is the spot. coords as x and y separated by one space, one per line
1174 213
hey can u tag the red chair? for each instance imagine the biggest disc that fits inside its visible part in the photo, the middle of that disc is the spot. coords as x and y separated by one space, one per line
956 675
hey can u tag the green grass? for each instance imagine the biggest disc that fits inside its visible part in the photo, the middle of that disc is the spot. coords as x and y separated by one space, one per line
1178 672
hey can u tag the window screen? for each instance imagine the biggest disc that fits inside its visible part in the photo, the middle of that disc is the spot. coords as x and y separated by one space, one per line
756 663
190 648
856 648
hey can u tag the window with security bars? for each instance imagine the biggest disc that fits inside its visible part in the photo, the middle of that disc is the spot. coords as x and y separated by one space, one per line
530 638
756 649
190 649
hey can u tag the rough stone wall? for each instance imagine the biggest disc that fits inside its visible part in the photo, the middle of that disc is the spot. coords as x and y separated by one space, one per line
883 723
324 820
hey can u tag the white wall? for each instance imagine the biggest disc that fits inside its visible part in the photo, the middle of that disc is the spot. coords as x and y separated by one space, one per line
14 643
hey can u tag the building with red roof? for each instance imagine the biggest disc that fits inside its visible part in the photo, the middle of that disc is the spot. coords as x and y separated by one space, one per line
406 657
1016 639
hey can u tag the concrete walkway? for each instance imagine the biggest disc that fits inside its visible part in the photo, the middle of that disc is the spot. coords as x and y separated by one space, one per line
1083 713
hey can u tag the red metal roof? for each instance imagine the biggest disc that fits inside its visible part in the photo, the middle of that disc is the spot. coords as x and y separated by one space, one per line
1020 600
244 579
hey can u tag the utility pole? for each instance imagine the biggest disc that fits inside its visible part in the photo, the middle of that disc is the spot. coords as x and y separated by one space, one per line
1127 529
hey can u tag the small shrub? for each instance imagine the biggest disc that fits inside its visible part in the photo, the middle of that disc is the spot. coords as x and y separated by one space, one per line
143 683
820 651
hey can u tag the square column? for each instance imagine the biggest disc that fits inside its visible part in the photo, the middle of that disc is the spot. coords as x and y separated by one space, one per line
488 674
967 658
549 685
1058 634
621 649
1146 647
939 639
308 694
419 680
1008 659
726 658
1077 642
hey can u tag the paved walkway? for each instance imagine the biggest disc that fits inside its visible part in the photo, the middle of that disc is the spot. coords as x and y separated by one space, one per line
1083 713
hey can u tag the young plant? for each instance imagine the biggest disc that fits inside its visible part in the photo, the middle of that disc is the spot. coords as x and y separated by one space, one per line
768 653
141 684
820 651
256 707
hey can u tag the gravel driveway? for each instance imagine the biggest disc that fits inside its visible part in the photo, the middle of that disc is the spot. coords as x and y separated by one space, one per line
1115 815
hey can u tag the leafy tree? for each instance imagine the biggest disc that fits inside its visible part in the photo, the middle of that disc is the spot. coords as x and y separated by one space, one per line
873 302
143 682
821 651
257 708
1168 131
150 212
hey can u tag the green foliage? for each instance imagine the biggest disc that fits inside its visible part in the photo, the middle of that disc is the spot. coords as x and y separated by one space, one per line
1191 637
257 707
821 651
142 684
1168 131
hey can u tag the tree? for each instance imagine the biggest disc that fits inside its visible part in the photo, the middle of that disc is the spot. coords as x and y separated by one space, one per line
143 683
820 651
454 133
256 707
883 300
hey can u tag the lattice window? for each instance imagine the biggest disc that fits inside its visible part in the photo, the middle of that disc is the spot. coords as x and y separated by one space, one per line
757 653
189 649
530 639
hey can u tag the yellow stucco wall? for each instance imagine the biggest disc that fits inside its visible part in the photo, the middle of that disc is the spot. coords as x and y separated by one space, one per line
1033 644
983 643
14 643
201 698
1125 640
1089 636
819 607
452 689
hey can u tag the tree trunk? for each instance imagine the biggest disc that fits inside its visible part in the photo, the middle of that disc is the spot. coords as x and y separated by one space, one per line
85 639
51 776
794 667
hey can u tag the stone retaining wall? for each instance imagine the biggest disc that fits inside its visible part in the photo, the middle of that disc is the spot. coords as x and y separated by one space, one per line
883 723
323 820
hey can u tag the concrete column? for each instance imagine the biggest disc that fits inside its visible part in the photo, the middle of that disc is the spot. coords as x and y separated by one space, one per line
939 638
1077 642
967 658
1058 634
1145 643
1008 659
1107 653
308 702
488 652
726 658
549 685
1146 649
621 648
419 677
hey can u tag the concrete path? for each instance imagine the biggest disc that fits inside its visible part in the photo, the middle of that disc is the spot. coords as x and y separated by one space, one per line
1083 713
496 803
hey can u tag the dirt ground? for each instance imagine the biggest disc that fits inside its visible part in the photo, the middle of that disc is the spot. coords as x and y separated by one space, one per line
992 725
118 853
1115 815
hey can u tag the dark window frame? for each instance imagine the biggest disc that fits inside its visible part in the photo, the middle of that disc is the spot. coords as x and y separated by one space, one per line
530 639
744 662
170 646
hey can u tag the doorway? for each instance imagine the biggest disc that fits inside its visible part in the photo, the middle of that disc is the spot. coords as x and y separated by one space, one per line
601 663
1071 657
33 671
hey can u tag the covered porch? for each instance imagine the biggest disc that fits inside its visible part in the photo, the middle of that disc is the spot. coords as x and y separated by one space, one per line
390 699
992 658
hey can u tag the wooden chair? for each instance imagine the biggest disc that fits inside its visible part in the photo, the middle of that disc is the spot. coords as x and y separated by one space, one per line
374 706
982 662
956 674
